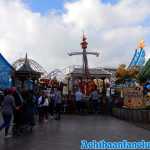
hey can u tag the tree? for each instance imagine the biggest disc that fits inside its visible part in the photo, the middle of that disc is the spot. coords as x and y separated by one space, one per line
144 74
124 73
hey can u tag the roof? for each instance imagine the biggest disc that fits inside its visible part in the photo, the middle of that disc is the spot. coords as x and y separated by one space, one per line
91 71
25 68
6 71
7 63
94 72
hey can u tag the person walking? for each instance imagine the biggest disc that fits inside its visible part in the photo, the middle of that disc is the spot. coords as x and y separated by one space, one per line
29 108
41 101
51 103
94 98
45 108
7 108
57 103
43 104
18 113
78 99
109 101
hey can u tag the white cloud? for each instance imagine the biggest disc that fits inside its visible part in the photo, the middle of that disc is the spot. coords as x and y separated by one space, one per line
112 29
93 13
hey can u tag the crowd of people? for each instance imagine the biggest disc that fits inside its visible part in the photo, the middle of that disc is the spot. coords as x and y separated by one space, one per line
24 108
95 103
19 108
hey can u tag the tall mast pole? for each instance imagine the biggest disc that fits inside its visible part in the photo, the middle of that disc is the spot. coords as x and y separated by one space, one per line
84 44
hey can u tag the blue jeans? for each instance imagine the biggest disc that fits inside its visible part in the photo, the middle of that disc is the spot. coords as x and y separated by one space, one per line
6 124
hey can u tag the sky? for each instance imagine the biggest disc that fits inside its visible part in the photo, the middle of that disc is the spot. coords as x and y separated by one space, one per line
48 29
44 6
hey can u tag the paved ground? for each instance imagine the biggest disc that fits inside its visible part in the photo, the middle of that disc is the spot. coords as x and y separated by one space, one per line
67 133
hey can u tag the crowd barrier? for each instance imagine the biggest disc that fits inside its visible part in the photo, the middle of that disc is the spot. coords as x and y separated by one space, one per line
136 115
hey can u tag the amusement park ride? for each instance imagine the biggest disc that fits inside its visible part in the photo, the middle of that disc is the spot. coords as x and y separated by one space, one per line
86 84
84 53
138 59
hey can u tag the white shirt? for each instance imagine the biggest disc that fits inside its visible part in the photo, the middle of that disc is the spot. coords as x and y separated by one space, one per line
46 102
108 92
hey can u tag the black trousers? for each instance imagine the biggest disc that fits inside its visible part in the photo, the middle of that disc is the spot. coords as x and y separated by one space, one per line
43 113
95 106
18 122
79 106
51 108
58 111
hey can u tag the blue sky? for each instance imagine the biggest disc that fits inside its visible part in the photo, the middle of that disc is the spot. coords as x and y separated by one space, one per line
43 6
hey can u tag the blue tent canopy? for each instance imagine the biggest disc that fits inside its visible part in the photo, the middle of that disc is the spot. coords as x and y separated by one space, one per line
5 73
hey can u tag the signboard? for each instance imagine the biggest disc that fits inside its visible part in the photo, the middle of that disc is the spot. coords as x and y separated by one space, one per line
133 98
147 99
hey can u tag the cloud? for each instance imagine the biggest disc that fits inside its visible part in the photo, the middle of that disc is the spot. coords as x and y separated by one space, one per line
113 30
94 13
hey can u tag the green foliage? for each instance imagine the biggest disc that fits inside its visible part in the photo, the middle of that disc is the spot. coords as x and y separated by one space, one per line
145 72
123 73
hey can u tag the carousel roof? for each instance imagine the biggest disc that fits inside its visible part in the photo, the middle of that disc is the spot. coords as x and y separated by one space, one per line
26 71
28 65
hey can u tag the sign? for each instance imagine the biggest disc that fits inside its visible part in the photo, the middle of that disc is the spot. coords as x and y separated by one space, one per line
147 99
133 98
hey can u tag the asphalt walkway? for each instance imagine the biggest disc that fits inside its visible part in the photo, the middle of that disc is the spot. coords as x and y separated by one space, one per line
67 133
